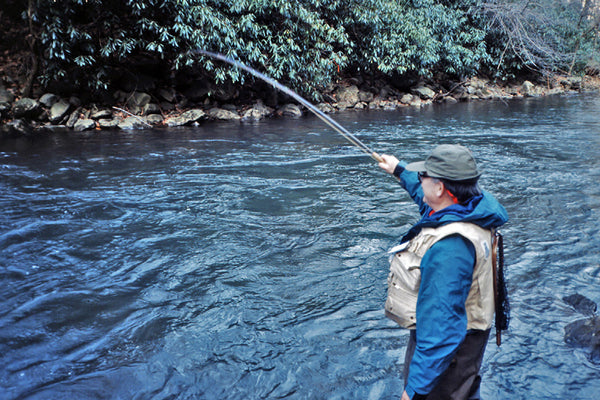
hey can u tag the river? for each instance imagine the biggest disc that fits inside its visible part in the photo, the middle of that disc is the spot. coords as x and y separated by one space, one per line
248 261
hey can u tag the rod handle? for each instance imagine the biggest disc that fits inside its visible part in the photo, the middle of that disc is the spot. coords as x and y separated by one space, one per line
376 157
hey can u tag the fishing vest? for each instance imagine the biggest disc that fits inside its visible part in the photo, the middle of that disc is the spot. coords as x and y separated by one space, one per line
405 275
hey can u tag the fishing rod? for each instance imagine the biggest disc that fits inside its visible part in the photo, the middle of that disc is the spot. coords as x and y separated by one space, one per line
324 117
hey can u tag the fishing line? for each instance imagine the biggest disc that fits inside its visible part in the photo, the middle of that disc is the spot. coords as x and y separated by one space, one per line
324 117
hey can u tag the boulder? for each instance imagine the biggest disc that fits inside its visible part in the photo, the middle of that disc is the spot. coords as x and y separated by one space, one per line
137 101
6 96
4 109
406 99
73 118
416 102
151 108
449 100
584 333
326 108
256 112
223 114
528 89
26 108
347 96
167 94
49 99
423 92
17 127
196 91
58 111
106 123
101 114
290 110
84 124
186 118
572 82
132 123
365 96
154 119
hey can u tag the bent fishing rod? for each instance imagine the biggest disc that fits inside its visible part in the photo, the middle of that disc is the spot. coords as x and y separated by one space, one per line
324 117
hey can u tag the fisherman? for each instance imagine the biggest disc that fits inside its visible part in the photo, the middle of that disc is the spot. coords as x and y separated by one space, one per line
440 284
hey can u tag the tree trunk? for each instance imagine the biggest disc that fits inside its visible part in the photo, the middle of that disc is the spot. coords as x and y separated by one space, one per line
32 41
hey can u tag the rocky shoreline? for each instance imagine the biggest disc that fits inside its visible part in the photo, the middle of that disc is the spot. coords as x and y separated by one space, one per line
167 108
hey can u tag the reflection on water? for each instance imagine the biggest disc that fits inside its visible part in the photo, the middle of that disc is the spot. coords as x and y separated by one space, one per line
248 261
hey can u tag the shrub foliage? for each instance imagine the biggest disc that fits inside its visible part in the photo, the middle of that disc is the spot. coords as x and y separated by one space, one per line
306 43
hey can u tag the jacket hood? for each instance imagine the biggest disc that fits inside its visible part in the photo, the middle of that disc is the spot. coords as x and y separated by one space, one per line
484 211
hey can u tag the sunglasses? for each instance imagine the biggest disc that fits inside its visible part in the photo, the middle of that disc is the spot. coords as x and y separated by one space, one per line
422 175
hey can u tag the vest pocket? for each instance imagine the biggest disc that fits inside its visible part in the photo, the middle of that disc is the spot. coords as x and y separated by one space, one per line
404 280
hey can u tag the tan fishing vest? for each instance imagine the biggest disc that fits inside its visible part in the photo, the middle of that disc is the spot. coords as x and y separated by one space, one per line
405 276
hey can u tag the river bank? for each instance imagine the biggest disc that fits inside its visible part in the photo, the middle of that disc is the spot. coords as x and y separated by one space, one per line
167 107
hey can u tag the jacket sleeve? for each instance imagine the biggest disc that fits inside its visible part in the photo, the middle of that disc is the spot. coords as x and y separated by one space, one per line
410 182
446 276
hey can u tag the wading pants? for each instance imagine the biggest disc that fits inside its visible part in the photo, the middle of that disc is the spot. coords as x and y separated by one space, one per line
461 380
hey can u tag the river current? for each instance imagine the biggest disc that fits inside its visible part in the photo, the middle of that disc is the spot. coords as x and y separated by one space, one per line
248 261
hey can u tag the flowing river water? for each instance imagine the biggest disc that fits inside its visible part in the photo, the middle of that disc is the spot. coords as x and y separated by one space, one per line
248 261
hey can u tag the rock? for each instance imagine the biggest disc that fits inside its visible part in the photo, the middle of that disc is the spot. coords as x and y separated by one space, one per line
166 106
375 103
4 109
168 94
572 82
101 114
416 102
132 123
17 127
106 123
26 108
49 99
406 99
151 108
224 92
54 128
483 93
75 101
137 101
197 91
58 111
84 124
584 333
477 83
256 112
154 119
6 96
187 117
581 304
223 114
423 92
290 110
449 100
347 96
388 105
326 108
73 118
365 97
528 89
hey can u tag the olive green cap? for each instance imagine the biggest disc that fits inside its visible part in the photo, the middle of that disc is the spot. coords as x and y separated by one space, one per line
448 161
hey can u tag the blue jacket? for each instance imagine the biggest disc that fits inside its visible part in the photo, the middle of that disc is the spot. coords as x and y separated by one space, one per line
446 276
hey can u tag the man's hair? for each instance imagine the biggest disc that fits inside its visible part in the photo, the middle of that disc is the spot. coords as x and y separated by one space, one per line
463 190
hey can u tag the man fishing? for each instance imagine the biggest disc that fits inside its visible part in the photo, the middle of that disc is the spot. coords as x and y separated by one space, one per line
441 281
